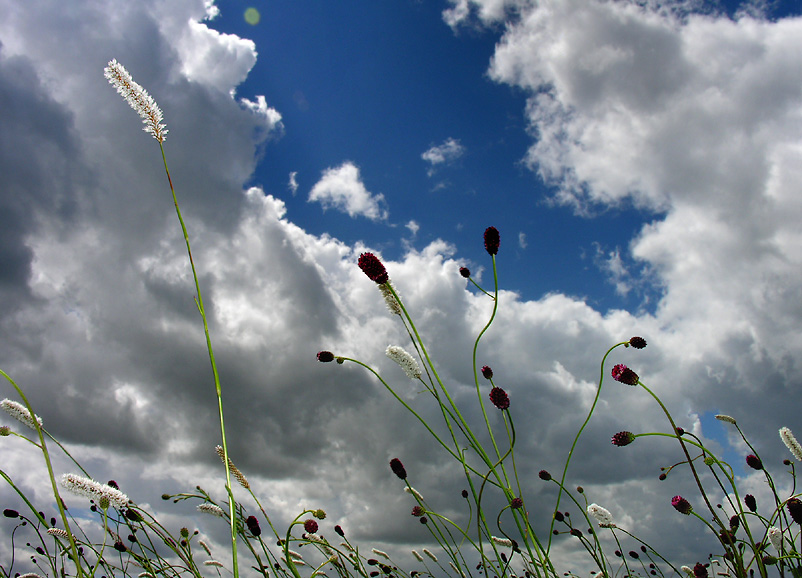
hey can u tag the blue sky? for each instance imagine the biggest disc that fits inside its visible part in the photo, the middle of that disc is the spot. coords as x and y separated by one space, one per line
649 152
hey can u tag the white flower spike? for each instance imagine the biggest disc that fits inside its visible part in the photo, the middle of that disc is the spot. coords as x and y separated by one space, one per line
405 360
138 98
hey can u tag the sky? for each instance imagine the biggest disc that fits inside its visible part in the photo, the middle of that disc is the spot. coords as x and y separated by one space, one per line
641 161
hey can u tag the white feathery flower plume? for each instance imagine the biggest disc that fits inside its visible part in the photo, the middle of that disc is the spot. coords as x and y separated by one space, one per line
212 509
418 557
501 541
20 413
405 360
381 553
138 98
726 418
94 490
429 554
790 442
414 492
602 516
775 537
389 299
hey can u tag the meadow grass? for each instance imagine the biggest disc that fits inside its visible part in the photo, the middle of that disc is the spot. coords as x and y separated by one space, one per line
493 542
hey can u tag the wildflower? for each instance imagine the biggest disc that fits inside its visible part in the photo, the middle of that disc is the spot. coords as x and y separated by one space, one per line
465 494
750 502
487 373
501 541
205 546
602 516
681 505
120 547
576 532
499 398
93 490
373 268
417 511
624 374
776 537
700 570
5 431
414 492
687 570
790 442
726 418
232 468
390 300
623 438
795 509
405 360
29 575
398 468
138 98
430 555
212 509
637 342
492 240
754 462
735 523
516 503
9 513
465 272
213 563
380 553
418 557
325 356
544 475
20 413
338 529
253 525
133 515
58 532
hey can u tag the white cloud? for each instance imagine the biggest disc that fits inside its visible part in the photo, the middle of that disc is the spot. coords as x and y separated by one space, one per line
341 188
293 182
413 227
522 240
446 153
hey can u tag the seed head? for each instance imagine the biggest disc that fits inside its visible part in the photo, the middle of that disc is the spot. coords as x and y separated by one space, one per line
492 240
398 468
138 98
373 268
624 374
500 398
790 442
623 438
681 505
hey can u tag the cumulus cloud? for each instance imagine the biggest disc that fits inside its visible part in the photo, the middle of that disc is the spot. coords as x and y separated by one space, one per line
446 153
342 188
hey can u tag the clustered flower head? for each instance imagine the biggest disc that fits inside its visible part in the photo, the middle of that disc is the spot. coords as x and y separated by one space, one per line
499 398
487 373
754 462
681 505
623 438
398 468
138 98
94 490
211 509
516 503
637 342
700 570
602 516
795 509
790 442
405 360
624 374
393 306
243 481
492 240
726 418
253 525
750 502
325 356
544 475
20 413
310 526
465 272
373 268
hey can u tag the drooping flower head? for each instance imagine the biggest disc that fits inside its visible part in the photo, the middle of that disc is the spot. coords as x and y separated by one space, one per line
624 374
398 468
602 516
681 505
20 413
373 268
790 442
623 438
487 373
94 490
492 240
499 398
138 98
637 342
405 360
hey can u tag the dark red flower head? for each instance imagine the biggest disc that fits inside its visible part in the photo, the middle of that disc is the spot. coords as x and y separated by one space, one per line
339 531
398 468
499 398
465 272
492 240
253 525
750 502
417 511
623 438
325 356
700 570
516 503
624 374
681 505
373 268
754 462
310 526
487 373
637 342
795 509
544 475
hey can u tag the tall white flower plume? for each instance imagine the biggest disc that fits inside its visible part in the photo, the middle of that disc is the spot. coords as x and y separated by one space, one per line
602 516
790 442
138 98
405 360
94 490
20 413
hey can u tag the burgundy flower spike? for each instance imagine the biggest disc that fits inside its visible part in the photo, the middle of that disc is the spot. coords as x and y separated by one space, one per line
624 374
492 240
500 398
373 268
